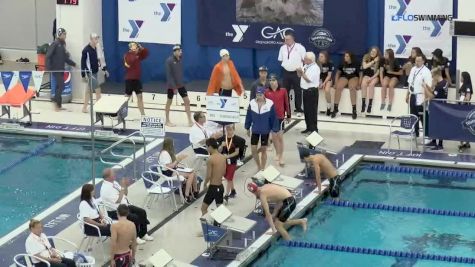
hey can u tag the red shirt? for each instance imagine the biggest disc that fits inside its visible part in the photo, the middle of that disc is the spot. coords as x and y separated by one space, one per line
281 102
133 72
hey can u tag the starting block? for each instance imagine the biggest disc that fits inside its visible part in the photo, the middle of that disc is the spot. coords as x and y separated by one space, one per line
112 106
222 239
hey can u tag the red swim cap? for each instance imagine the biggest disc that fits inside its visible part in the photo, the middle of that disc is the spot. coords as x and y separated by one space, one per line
252 187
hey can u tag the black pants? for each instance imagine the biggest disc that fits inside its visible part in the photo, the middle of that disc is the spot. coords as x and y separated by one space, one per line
91 231
416 110
64 263
292 81
58 90
310 108
138 216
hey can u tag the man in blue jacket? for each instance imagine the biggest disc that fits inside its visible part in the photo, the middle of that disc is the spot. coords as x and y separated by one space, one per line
260 121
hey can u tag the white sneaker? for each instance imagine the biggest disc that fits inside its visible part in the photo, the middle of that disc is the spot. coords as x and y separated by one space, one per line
147 238
140 241
299 114
239 163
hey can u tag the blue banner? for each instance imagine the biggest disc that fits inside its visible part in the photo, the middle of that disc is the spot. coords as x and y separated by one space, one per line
336 25
452 121
25 79
7 77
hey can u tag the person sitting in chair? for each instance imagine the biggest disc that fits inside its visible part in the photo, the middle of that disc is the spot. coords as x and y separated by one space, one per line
90 213
168 159
38 245
199 132
113 194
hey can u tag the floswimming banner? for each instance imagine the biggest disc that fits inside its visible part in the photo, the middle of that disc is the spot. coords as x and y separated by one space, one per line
452 121
418 23
150 21
317 24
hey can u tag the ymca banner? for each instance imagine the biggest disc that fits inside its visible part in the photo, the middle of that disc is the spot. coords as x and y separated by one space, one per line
418 23
452 121
322 24
150 21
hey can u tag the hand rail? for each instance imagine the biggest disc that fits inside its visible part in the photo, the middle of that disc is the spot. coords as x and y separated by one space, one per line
132 157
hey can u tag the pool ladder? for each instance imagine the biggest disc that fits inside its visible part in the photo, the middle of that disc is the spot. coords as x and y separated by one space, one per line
129 139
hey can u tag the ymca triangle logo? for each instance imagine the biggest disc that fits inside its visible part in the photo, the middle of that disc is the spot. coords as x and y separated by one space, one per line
136 25
167 10
223 102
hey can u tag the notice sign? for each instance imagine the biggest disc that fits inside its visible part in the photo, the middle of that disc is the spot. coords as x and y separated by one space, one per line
152 126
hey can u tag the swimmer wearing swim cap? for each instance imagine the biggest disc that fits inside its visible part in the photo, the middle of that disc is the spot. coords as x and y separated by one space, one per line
322 165
285 204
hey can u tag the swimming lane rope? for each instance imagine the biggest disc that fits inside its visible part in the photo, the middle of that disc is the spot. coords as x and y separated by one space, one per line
380 252
456 174
35 152
378 206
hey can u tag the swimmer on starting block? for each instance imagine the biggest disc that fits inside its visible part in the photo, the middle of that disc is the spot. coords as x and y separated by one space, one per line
285 205
322 165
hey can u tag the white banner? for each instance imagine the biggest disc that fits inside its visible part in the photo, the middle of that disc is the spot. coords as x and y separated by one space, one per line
222 103
150 21
418 23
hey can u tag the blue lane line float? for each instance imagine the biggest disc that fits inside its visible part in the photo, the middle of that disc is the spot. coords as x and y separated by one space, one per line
375 206
456 174
33 153
379 252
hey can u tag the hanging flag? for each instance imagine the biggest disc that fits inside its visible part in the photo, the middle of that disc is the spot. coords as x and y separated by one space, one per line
25 79
14 81
37 79
7 79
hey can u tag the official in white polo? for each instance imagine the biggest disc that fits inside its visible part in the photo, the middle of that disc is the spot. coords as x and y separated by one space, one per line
291 55
309 82
419 77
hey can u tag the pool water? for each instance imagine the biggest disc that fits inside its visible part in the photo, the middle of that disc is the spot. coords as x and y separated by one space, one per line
422 233
39 181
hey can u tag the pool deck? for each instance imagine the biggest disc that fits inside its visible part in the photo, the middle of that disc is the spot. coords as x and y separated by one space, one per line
176 232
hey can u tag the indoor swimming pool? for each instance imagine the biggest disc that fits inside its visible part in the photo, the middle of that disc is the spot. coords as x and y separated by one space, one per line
36 172
383 210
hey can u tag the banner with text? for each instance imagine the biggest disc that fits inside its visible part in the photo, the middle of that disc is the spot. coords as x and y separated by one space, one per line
418 23
322 24
458 121
150 21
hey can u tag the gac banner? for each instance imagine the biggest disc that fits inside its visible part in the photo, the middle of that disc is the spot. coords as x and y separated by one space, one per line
458 121
321 24
421 23
150 21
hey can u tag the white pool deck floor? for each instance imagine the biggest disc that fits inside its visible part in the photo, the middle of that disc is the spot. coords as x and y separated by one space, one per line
179 235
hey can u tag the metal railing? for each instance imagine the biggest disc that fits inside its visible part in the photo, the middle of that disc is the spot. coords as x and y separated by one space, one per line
132 157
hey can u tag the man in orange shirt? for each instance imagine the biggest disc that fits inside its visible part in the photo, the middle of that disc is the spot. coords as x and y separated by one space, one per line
225 78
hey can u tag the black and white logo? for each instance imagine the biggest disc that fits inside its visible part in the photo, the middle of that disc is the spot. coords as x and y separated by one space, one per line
239 31
469 122
269 33
322 38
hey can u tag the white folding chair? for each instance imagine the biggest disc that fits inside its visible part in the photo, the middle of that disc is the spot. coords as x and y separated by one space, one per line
200 162
156 185
25 260
406 130
53 240
176 179
90 238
